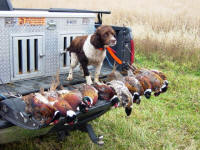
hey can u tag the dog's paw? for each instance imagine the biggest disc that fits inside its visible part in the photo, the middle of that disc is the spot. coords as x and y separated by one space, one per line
88 80
96 79
98 82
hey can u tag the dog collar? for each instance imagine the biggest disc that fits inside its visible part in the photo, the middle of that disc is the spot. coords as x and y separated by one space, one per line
101 49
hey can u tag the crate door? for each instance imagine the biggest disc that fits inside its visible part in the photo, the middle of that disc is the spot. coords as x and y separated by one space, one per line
64 42
28 57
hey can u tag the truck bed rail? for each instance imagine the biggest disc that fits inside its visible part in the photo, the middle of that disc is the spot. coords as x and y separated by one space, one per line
64 10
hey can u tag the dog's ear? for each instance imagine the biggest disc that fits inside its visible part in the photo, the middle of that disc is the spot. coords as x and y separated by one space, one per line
97 35
96 40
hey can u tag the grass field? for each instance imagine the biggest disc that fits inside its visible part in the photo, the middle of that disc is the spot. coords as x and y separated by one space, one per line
166 35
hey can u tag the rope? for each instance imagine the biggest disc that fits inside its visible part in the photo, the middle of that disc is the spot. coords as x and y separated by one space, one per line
126 46
109 63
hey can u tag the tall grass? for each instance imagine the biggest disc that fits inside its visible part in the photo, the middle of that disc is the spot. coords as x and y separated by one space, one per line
168 28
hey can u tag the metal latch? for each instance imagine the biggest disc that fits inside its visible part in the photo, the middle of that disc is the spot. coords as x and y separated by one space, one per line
51 25
42 55
62 52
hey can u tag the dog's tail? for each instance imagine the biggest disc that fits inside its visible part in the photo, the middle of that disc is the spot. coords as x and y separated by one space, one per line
70 49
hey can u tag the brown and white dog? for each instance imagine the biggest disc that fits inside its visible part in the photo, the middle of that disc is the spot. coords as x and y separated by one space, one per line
90 50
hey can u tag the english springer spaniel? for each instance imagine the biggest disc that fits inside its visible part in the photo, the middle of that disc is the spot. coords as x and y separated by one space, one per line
90 50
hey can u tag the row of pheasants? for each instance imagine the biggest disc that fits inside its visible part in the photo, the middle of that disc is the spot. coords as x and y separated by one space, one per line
121 90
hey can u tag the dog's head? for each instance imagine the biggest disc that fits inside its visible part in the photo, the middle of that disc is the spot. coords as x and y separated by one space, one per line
104 35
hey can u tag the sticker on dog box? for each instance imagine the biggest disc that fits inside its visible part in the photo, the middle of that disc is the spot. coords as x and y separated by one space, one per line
86 21
10 21
35 21
72 21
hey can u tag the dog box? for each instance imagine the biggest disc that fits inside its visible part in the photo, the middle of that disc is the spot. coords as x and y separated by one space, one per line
33 42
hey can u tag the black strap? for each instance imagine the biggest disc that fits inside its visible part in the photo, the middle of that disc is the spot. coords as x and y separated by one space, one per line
5 5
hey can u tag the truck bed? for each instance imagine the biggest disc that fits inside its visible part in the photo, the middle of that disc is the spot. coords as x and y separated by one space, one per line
24 87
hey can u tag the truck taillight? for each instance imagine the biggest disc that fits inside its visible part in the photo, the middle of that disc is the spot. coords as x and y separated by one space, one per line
132 51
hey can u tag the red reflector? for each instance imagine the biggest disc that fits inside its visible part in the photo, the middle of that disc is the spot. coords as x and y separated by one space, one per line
132 52
55 121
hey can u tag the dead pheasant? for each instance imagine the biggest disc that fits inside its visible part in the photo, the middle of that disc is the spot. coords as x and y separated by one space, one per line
125 97
48 106
41 108
89 94
146 85
74 98
107 93
134 87
132 83
162 76
157 79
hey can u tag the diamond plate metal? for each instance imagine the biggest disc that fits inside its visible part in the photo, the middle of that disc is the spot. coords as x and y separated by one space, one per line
51 42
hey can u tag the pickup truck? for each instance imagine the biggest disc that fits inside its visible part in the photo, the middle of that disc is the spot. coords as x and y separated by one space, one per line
32 44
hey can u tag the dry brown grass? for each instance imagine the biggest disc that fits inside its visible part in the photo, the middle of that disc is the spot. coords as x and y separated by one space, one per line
170 28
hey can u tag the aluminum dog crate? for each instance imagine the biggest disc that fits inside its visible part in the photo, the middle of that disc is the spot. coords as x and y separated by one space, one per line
32 42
